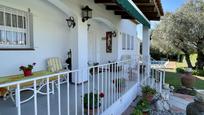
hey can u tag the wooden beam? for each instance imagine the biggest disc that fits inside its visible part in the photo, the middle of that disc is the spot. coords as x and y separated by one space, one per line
141 1
151 14
113 7
144 4
104 1
127 17
120 13
147 9
156 5
153 18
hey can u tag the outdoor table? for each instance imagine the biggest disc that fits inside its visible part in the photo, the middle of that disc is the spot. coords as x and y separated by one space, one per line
28 85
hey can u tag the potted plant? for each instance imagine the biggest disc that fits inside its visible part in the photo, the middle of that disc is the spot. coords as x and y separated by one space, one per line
27 70
88 105
144 106
136 112
148 93
187 80
119 84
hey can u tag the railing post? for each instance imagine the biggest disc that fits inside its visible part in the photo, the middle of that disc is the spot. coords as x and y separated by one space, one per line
160 82
68 94
18 99
48 97
59 95
35 98
164 76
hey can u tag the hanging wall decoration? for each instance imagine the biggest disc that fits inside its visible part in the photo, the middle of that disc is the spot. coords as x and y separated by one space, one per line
108 42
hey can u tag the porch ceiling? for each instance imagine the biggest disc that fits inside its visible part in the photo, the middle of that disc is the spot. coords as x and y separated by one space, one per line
152 9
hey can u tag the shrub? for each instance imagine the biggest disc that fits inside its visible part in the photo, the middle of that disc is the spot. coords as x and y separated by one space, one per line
143 105
180 70
198 72
148 90
136 112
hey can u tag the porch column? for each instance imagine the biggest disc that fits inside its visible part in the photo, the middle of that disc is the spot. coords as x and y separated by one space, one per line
80 52
146 51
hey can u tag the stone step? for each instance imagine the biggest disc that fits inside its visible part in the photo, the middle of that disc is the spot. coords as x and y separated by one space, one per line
180 101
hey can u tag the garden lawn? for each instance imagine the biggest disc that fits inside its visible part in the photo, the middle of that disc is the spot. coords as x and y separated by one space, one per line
173 78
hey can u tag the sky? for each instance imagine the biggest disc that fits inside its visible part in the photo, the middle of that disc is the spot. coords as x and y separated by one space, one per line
168 6
172 5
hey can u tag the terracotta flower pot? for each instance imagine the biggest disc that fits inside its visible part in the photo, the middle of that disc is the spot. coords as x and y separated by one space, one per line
148 97
187 80
145 113
27 72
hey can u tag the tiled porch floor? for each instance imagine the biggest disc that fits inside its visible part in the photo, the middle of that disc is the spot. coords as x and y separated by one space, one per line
8 108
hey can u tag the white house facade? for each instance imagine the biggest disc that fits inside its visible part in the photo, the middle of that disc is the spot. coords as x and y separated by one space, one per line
33 31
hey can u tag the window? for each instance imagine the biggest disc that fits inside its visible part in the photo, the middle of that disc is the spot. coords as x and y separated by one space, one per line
123 41
132 43
127 42
15 29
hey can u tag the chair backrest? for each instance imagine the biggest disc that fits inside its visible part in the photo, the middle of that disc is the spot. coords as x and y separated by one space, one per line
54 64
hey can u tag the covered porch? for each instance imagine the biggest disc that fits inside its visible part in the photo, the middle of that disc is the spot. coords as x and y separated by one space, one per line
68 98
118 75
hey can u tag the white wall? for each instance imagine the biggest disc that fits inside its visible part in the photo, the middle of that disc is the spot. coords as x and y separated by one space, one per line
51 37
127 27
97 46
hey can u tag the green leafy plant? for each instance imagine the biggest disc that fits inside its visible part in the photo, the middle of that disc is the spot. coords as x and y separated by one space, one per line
198 72
148 90
29 67
180 70
143 105
136 112
90 102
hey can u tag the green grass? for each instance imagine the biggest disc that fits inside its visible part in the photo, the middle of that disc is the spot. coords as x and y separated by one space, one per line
173 78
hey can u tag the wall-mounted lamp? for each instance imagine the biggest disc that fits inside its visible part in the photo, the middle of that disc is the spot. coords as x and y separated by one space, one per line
114 34
88 26
70 22
86 13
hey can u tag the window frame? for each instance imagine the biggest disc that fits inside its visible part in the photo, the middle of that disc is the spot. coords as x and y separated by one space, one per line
17 31
128 42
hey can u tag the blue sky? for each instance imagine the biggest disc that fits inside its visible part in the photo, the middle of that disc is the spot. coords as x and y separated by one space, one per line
168 6
172 5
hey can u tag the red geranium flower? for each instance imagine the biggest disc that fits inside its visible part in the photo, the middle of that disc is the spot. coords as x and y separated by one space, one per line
101 94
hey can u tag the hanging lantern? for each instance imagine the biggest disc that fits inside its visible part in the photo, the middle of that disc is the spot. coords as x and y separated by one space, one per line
86 13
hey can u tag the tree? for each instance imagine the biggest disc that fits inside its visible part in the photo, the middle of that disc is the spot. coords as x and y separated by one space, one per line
183 32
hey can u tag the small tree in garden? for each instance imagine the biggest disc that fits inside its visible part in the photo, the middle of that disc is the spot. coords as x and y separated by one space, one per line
183 32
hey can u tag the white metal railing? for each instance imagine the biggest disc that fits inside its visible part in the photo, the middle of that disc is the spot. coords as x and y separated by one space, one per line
158 79
112 80
157 75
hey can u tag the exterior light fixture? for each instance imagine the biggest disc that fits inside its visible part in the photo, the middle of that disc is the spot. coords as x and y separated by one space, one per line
88 26
114 34
86 13
70 22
